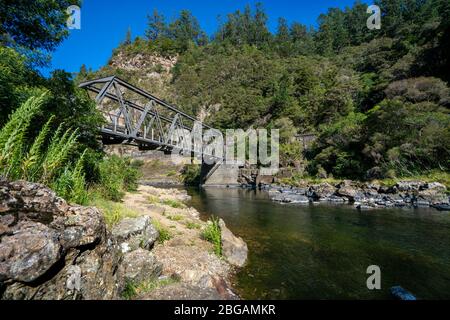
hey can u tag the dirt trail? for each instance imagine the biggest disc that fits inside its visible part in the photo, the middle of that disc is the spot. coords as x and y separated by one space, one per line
185 255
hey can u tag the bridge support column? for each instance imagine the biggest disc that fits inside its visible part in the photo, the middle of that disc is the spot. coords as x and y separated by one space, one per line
220 174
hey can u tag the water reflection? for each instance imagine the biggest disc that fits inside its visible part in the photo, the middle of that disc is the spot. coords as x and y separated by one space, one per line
322 251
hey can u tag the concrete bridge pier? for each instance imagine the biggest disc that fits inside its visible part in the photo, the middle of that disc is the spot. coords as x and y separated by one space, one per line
219 174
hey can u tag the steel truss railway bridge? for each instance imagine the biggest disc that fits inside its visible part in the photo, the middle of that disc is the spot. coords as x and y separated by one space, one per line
134 116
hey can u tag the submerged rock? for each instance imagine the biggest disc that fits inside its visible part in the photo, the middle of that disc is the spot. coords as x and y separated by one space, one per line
234 249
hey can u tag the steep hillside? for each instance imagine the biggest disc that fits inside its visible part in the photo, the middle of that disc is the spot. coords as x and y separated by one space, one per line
378 101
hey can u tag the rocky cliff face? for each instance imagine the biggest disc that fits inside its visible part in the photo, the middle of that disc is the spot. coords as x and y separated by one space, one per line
148 71
51 250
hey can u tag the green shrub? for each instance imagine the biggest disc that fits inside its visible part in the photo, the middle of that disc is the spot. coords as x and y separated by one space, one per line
113 212
117 175
62 144
132 290
171 173
192 225
13 137
164 233
71 184
176 217
212 233
191 174
173 203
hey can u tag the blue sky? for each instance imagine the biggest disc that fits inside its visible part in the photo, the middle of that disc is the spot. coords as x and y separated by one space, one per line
104 23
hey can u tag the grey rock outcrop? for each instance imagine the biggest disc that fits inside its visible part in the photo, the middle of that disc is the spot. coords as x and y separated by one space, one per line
367 195
140 265
134 233
51 250
234 249
290 198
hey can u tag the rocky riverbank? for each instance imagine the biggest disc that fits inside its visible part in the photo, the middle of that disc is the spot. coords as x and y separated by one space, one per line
52 250
364 195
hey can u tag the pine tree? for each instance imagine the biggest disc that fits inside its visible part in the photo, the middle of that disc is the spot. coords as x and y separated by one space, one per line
156 26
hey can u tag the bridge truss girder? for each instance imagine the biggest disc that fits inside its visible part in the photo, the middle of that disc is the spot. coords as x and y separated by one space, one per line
145 120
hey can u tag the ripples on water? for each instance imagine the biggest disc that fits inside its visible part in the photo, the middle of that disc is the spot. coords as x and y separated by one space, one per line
321 251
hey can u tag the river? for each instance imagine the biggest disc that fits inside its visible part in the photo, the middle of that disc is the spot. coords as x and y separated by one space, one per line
322 251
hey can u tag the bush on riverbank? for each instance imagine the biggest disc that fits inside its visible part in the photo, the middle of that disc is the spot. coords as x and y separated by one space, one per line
191 175
116 176
212 233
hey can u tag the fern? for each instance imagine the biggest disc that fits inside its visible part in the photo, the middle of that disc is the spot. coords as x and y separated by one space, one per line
13 135
71 184
11 155
21 118
58 153
33 161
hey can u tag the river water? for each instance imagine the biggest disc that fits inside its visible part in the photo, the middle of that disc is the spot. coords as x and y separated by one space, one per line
322 251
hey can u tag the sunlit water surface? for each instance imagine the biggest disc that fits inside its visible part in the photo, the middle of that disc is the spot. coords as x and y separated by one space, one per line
321 251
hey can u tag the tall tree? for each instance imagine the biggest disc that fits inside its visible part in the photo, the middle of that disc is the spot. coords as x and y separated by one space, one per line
34 27
186 29
283 34
156 26
261 33
127 40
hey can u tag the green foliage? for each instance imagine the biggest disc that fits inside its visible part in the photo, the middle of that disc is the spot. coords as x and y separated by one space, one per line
13 137
164 233
132 290
247 27
14 79
34 157
61 147
71 184
177 36
45 161
34 29
213 234
113 212
117 175
191 174
192 225
173 203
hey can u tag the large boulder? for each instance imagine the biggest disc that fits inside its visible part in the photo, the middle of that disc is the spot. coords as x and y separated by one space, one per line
234 249
51 250
434 193
350 190
321 191
140 265
134 233
29 252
